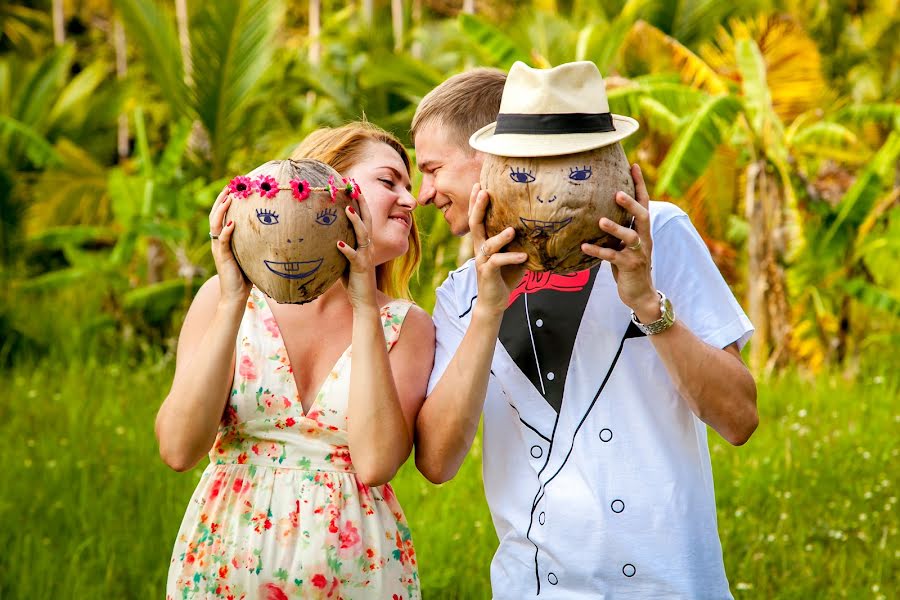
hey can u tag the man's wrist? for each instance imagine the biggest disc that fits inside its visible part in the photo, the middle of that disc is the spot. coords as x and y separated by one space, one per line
647 310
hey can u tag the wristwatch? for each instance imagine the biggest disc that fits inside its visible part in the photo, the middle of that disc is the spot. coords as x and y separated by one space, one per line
661 324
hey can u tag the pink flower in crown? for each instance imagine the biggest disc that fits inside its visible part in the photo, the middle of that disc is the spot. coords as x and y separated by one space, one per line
332 188
300 189
352 188
241 186
267 186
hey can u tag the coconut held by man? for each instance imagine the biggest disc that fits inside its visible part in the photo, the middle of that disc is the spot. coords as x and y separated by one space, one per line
553 165
288 217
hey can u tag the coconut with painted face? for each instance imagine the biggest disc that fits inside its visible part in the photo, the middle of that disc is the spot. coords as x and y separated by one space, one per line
553 164
288 217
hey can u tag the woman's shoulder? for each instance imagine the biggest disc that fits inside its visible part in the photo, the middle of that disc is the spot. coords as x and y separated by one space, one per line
416 322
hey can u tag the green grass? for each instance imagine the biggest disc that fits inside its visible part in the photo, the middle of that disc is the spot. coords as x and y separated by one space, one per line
807 509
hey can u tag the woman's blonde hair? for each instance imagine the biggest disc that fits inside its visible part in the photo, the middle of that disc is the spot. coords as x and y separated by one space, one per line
341 148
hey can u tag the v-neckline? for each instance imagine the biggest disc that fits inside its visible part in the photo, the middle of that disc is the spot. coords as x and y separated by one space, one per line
290 364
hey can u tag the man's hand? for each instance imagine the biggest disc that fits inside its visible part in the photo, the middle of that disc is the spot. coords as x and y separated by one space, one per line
498 272
631 262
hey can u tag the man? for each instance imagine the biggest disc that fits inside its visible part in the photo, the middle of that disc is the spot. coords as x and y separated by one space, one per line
595 400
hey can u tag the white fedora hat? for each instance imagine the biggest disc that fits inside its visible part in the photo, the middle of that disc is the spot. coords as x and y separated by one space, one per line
549 112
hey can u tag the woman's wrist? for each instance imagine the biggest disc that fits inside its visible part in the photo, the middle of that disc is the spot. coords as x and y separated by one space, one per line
232 304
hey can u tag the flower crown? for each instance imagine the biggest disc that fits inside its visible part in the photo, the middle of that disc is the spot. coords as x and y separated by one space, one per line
267 187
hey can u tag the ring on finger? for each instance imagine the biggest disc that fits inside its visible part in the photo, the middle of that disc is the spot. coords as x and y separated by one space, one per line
636 246
366 245
483 250
213 236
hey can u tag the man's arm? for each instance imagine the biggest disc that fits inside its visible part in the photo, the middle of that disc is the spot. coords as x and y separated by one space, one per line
448 420
716 384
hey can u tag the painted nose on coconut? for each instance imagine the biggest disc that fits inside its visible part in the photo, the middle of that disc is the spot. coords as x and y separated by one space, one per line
288 217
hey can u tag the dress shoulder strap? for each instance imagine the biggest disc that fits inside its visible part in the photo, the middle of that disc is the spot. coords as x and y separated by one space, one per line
392 315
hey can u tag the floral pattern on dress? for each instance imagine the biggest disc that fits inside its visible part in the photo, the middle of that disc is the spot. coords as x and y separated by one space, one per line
280 513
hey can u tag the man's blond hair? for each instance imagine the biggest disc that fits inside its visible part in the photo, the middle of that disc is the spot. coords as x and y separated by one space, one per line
462 105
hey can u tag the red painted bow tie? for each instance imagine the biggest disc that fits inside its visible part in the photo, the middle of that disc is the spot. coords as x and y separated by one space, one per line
535 282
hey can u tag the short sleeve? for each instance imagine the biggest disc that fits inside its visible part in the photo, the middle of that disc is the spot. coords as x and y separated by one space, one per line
449 331
684 270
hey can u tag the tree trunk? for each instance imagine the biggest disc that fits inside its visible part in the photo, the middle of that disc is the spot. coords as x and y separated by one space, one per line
416 48
121 49
59 23
315 43
397 24
184 40
767 289
368 11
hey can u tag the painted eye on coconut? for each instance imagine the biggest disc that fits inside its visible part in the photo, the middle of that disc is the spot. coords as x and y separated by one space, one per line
521 175
326 217
580 174
266 217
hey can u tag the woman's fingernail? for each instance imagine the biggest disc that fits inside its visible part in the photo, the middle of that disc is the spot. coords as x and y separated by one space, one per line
350 208
341 244
229 224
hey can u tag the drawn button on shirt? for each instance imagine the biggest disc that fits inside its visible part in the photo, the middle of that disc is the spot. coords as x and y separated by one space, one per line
551 577
629 570
541 518
537 451
605 435
617 506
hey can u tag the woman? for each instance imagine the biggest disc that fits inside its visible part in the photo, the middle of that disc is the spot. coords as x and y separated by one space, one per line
295 502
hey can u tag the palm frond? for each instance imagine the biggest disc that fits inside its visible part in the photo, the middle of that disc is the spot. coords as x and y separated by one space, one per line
692 151
233 43
152 30
497 49
76 95
864 192
29 142
648 41
34 97
828 140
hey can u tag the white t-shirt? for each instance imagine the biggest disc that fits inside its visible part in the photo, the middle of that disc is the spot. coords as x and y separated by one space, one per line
613 496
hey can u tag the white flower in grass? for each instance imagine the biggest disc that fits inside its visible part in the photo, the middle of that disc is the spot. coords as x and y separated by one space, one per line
801 413
744 586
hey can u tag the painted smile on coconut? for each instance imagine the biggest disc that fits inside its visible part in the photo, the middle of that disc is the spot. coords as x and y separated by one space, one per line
294 269
544 227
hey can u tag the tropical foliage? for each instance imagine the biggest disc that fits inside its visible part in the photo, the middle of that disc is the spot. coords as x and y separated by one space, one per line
120 120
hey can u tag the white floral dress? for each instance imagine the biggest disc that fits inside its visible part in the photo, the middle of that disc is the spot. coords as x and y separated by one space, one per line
280 513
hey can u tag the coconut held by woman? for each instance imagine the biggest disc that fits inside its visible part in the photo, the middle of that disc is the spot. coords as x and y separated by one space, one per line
553 165
288 217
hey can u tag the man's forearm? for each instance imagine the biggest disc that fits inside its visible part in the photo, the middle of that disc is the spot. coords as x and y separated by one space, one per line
448 420
716 384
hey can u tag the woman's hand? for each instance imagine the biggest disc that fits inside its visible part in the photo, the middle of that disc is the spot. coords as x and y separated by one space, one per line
359 279
233 285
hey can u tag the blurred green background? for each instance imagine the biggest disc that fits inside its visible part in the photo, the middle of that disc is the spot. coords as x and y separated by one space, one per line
775 125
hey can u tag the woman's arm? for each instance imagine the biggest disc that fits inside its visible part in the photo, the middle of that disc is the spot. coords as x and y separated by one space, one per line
382 407
386 392
188 419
